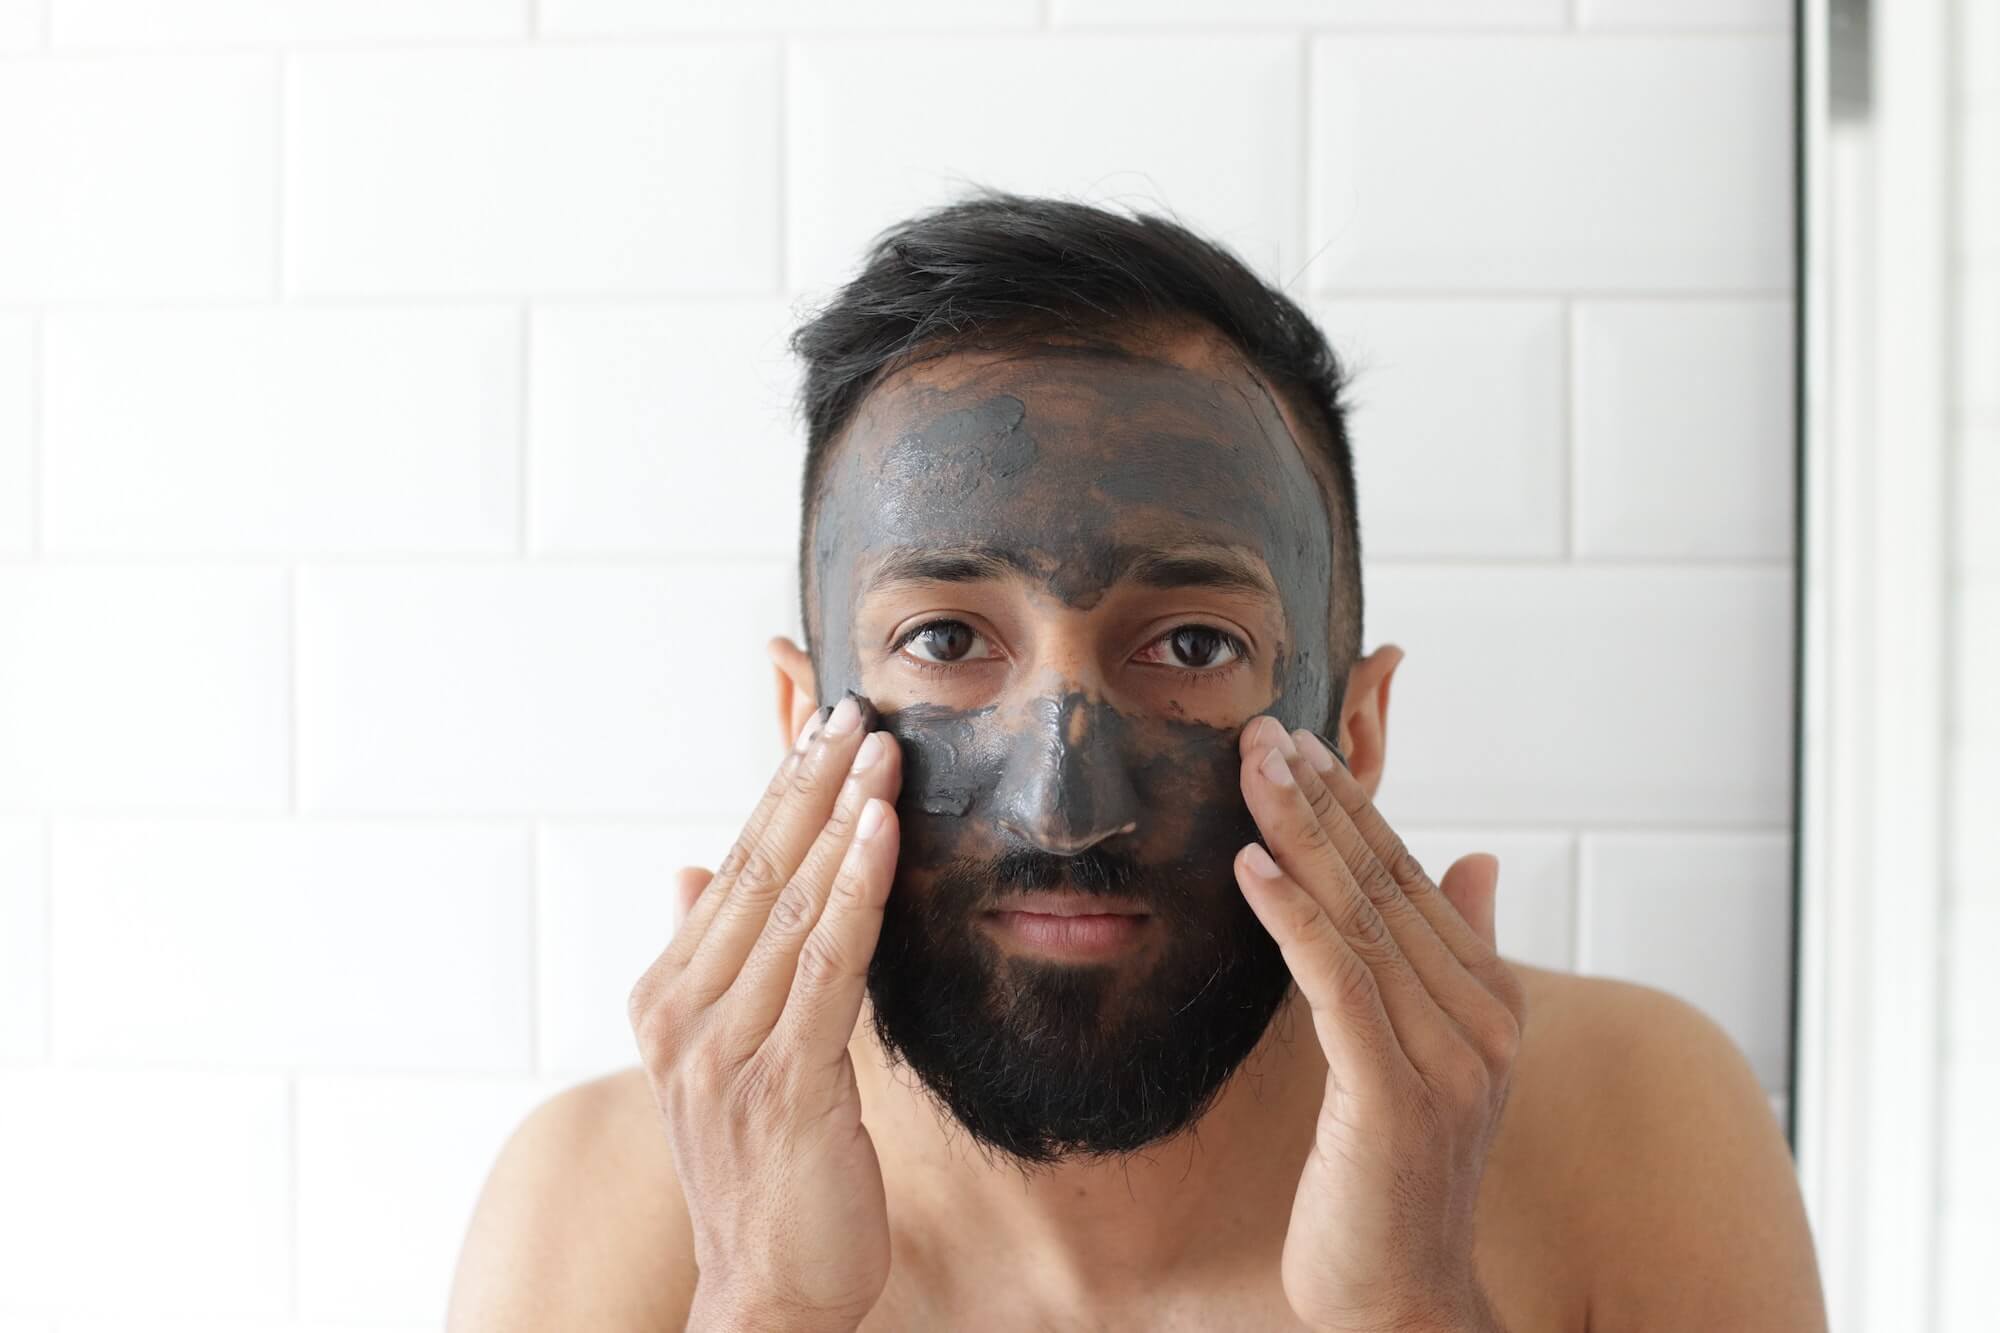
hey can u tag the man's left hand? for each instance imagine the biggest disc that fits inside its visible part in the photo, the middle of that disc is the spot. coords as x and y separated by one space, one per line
1420 1020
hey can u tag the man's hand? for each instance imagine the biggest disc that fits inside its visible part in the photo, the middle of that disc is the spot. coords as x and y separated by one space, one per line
743 1023
1420 1021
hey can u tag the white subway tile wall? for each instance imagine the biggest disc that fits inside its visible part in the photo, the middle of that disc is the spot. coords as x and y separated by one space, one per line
399 485
1969 1236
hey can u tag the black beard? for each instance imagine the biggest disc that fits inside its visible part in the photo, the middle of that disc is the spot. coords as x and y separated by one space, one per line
1045 1061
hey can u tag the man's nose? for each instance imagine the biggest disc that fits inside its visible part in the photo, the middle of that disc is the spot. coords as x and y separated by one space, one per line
1065 787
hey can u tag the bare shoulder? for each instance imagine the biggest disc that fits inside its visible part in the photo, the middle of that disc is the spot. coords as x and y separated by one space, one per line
581 1223
1677 1190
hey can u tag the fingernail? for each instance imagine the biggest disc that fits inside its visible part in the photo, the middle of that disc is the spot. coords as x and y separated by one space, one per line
870 751
810 730
871 817
846 714
1276 769
1316 751
1260 861
1275 734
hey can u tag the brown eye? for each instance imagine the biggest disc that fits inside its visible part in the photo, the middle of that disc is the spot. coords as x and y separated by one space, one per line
942 640
1197 648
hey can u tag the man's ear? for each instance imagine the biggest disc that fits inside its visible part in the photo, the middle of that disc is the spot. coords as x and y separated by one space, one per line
1364 716
798 693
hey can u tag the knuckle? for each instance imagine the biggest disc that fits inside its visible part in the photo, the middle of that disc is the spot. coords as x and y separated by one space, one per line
1354 981
1498 1036
1379 883
820 960
1404 868
1321 800
760 873
792 912
1365 930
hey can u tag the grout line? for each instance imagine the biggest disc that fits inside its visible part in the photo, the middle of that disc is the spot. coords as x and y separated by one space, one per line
523 407
535 19
48 834
38 376
784 183
535 961
1576 931
280 137
292 1214
292 690
1308 197
1572 543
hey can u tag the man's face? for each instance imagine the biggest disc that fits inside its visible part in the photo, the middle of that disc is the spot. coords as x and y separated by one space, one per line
1066 578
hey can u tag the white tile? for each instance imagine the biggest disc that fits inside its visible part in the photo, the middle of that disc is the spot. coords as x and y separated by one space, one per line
1977 182
1976 647
17 425
1699 14
277 944
24 961
135 688
525 169
1684 445
665 429
213 1325
1704 916
294 430
1972 990
1976 488
1459 14
619 16
539 689
1979 51
1509 163
1977 355
1534 911
88 145
1456 420
122 22
1224 158
606 908
26 1324
1968 1240
389 1170
1566 696
22 24
178 1181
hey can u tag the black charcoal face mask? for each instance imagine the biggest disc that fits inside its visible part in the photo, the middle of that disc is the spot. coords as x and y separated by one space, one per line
1060 463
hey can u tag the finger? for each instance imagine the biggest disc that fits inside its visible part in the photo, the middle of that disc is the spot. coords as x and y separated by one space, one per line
1475 953
1300 845
688 884
1393 883
690 934
1360 1042
759 867
760 988
832 974
1471 885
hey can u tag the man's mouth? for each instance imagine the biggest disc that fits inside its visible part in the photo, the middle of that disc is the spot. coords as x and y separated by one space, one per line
1069 925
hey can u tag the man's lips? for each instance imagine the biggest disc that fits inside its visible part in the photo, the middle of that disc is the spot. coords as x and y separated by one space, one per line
1079 926
1056 903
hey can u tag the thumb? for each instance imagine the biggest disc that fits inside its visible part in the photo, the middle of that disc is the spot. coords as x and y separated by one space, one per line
689 881
1471 885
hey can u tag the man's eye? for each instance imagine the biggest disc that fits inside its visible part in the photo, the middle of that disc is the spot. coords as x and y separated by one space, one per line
943 640
1201 647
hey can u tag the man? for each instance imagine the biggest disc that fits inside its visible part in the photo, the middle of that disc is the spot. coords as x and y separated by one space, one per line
1066 976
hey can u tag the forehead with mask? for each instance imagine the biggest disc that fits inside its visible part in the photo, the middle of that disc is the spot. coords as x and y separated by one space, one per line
1064 576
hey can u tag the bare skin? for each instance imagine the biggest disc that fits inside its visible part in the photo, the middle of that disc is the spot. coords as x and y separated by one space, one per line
1637 1181
1628 1171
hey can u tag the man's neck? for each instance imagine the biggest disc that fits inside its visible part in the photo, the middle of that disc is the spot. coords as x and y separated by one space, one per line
1094 1228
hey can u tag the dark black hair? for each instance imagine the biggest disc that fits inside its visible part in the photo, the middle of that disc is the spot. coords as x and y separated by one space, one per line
997 265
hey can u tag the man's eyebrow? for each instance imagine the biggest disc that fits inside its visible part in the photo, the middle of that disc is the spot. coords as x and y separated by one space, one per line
1204 565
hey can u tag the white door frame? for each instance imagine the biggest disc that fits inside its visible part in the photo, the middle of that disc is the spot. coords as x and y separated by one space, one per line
1875 197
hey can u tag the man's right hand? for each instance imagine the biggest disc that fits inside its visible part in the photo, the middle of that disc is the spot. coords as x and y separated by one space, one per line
743 1024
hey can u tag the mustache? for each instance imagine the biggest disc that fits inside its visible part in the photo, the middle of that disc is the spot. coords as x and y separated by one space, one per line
1092 871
